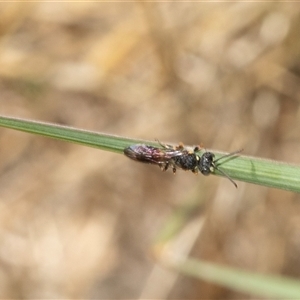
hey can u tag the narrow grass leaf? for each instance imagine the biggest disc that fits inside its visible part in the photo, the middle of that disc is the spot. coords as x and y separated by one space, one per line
256 284
249 169
84 137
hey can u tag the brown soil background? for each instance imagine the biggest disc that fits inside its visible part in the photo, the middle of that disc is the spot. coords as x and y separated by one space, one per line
77 222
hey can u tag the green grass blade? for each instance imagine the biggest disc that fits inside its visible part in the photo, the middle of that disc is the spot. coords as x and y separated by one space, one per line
256 284
70 134
243 168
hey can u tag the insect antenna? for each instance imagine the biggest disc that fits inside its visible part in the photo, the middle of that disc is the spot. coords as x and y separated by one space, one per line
222 172
229 154
226 175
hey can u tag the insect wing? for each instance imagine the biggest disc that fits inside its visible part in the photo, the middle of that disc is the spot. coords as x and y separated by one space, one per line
146 154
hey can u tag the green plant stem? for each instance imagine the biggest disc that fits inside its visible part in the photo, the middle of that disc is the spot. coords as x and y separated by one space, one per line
79 136
256 284
249 169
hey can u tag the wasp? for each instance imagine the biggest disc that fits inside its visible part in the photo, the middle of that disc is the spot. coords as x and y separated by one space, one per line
165 157
178 157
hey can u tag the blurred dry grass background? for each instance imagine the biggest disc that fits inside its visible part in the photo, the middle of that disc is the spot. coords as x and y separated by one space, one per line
76 222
